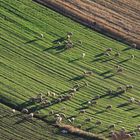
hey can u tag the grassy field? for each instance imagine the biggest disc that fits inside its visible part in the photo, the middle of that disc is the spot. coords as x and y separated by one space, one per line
29 66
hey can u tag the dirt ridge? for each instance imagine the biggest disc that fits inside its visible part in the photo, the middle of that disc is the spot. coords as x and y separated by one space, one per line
121 27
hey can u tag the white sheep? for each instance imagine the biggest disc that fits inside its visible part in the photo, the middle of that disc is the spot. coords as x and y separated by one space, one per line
132 57
64 131
24 110
59 119
41 35
83 55
13 110
109 107
131 100
109 49
30 116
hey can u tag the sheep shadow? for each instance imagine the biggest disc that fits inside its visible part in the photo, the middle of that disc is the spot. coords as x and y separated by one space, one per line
105 74
135 116
117 94
123 61
126 49
23 120
123 105
32 41
99 55
106 60
61 39
97 59
76 59
129 109
58 48
26 104
99 112
77 78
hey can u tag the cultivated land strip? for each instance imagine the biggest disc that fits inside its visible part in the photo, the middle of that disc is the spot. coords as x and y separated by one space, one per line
29 66
118 19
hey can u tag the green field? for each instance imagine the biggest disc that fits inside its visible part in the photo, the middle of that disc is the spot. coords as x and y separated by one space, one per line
29 66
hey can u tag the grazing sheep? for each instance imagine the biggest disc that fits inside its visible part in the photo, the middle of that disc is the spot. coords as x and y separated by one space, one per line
117 54
119 70
132 57
98 123
120 88
64 131
128 137
53 94
138 126
88 73
112 126
134 45
41 35
59 43
62 115
79 126
88 119
139 102
70 33
119 122
83 55
58 100
72 119
129 87
117 66
30 116
96 97
108 49
109 107
24 110
73 90
51 112
80 42
82 111
131 100
63 108
68 37
48 93
123 129
69 120
13 110
59 119
57 115
89 102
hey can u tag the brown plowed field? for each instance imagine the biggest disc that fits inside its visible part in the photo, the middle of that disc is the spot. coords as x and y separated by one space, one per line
119 19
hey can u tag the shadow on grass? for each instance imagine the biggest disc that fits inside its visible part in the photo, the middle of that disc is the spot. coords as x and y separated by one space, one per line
80 77
129 109
57 48
126 49
117 94
26 104
105 74
76 59
123 105
99 55
61 39
123 61
135 116
32 41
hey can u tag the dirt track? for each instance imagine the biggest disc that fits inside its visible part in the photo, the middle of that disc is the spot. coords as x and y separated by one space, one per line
119 19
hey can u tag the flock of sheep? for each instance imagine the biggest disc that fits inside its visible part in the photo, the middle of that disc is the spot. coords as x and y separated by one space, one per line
59 117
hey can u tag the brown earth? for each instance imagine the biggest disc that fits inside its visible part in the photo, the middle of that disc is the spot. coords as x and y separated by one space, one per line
119 19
